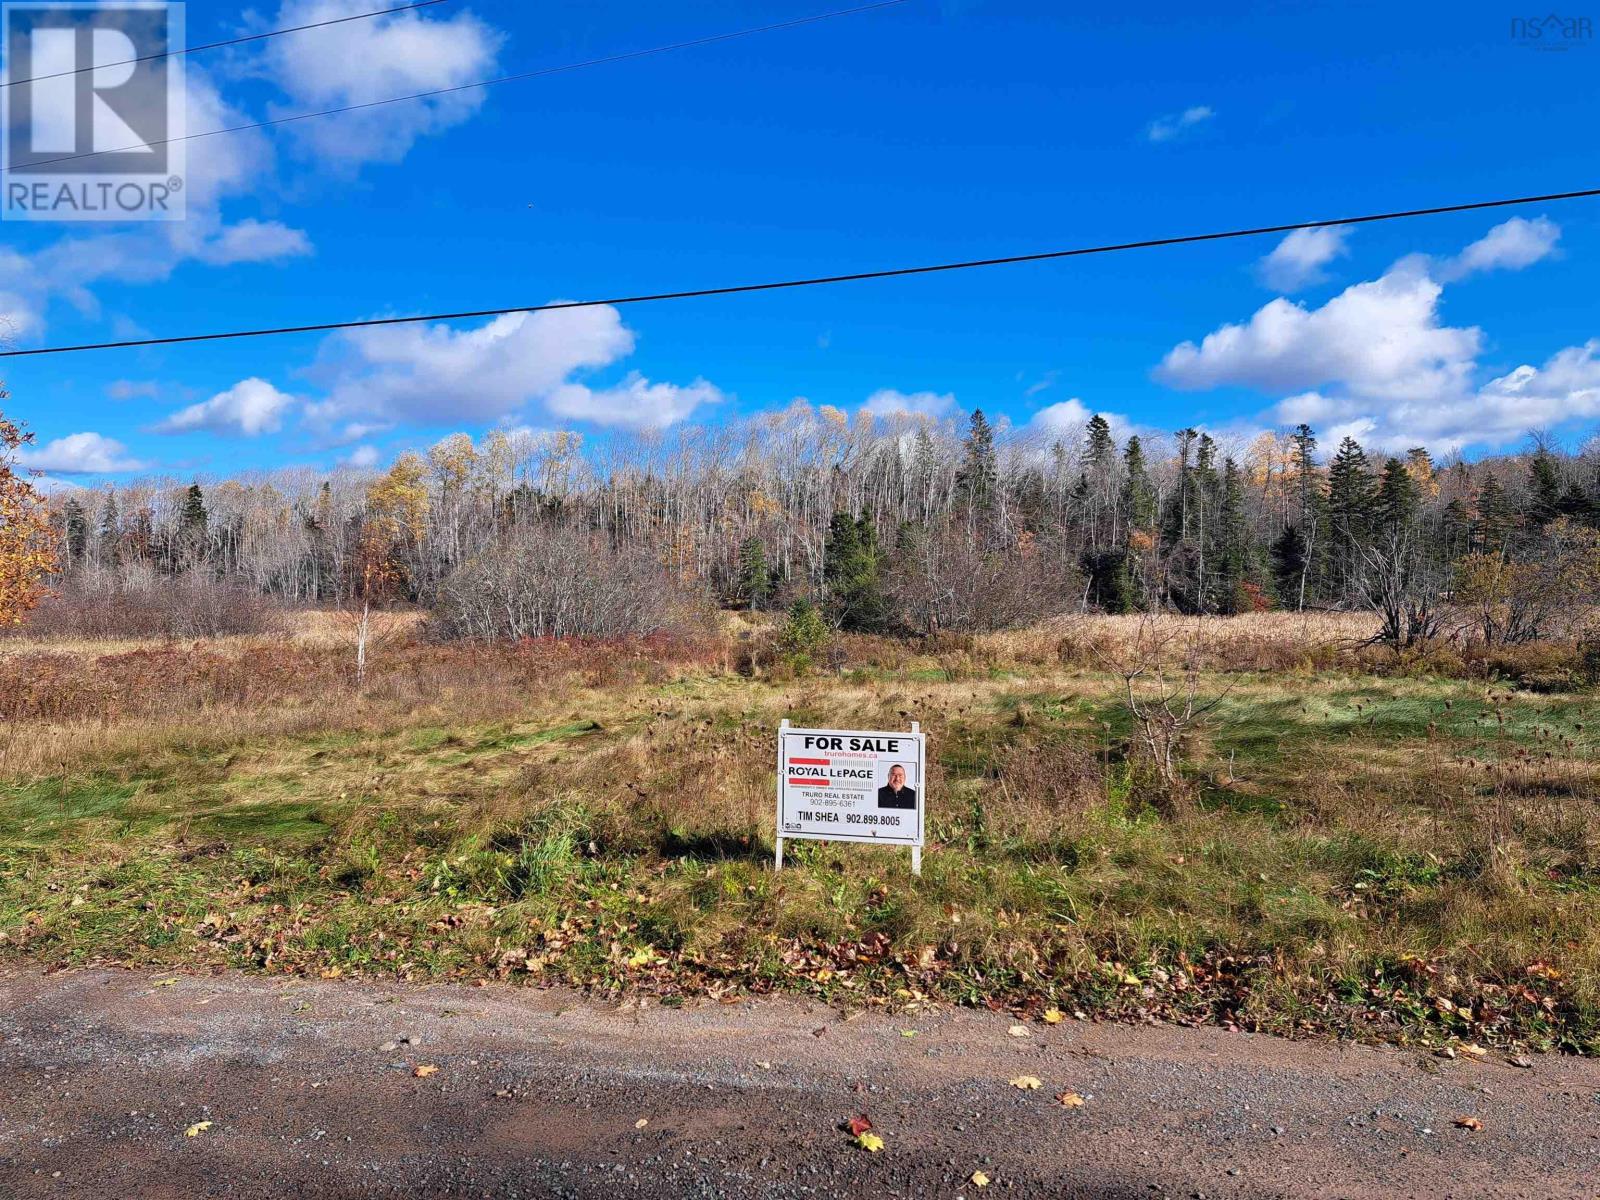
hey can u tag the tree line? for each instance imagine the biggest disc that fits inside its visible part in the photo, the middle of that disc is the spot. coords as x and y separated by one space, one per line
898 525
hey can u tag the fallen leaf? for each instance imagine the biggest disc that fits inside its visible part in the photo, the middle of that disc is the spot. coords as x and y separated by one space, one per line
1054 1016
859 1124
641 1122
424 1071
197 1129
979 1179
642 957
908 1033
1471 1123
763 1064
1019 1031
1069 1099
168 982
1026 1083
870 1142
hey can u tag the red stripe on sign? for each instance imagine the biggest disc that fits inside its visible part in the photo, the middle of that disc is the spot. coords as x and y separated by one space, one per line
809 782
808 762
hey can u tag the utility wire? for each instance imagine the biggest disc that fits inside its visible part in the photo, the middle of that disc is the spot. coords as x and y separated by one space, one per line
816 281
251 37
482 83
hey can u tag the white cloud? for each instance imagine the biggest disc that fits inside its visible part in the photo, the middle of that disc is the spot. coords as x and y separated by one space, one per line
1297 261
253 241
68 269
1065 421
430 374
1377 363
79 454
363 61
1381 339
1509 246
635 403
1566 388
250 407
1064 416
887 402
362 458
1164 129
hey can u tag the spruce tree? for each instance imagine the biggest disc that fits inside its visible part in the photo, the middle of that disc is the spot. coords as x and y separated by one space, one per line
77 532
110 533
1495 518
1350 505
1398 497
979 472
1138 496
1098 446
851 565
1544 488
1289 566
755 581
192 517
1232 545
1305 463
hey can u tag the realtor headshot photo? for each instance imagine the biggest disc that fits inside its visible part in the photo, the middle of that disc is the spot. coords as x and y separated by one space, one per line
895 793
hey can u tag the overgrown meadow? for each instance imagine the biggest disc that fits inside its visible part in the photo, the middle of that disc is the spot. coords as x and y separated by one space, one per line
1358 843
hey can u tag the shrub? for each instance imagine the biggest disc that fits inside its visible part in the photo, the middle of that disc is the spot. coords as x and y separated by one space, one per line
804 635
137 603
539 582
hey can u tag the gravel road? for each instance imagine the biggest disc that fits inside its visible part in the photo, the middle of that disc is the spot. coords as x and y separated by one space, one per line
311 1089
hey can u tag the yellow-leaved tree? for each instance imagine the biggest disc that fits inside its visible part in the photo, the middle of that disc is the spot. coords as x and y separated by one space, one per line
28 541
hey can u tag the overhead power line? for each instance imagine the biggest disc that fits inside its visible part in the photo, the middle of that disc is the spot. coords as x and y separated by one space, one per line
249 37
483 83
819 280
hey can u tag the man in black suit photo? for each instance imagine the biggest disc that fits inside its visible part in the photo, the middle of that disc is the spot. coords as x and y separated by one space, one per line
895 793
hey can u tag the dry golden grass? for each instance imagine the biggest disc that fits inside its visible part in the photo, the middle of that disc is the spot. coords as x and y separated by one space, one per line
1349 849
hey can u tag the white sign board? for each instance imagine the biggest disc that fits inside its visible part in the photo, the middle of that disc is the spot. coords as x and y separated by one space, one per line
850 785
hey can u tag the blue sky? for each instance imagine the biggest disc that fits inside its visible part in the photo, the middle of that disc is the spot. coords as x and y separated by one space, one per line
933 130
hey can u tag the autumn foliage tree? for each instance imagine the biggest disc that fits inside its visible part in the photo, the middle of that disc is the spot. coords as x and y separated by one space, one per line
28 541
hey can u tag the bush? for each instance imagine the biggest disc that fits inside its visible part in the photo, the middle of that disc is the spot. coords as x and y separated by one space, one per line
804 635
539 582
137 603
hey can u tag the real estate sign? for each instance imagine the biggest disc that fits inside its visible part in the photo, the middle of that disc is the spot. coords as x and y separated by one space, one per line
851 785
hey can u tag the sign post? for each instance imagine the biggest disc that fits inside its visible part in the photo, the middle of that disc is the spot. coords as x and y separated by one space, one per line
846 785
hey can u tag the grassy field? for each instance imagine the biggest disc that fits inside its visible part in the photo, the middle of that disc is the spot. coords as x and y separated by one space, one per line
1359 847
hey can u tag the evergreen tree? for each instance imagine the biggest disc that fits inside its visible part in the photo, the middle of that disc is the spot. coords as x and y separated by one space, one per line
1350 505
1098 446
77 531
851 565
1398 498
110 533
755 581
1232 545
1544 488
192 518
1495 518
1289 566
1305 464
1138 496
1311 525
979 472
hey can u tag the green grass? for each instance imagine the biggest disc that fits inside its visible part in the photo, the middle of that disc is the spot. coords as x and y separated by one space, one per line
1365 856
